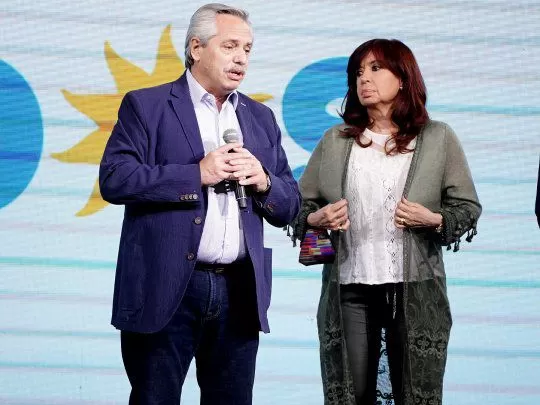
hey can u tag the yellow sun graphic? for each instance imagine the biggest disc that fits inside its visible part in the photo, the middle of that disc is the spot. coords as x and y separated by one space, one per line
103 108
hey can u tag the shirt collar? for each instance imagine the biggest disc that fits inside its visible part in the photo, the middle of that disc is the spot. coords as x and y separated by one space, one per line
200 95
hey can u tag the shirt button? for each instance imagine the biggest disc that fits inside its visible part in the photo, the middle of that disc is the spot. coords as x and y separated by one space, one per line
198 220
190 256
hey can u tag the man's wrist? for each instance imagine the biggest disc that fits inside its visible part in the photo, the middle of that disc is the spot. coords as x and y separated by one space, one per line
268 185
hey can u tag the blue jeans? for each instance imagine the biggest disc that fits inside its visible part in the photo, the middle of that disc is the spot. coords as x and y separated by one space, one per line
216 323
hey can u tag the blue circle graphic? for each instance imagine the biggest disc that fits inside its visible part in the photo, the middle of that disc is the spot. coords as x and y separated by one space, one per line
21 130
307 96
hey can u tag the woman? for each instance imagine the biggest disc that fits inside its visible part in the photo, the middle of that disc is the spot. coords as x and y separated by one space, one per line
394 187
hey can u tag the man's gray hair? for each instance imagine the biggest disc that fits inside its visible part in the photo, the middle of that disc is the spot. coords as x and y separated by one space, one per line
203 25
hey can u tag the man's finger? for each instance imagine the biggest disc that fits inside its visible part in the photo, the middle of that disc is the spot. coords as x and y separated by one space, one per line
242 150
239 161
228 147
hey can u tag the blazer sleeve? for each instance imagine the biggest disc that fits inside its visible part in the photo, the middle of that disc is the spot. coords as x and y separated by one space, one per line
460 205
281 204
312 199
125 175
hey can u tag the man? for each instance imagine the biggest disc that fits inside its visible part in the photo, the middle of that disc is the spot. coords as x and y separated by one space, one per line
193 278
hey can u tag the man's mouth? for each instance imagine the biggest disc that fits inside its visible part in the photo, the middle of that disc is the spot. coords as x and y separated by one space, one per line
236 74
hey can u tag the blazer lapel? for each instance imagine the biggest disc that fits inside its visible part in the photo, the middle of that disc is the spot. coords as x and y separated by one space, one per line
245 120
183 107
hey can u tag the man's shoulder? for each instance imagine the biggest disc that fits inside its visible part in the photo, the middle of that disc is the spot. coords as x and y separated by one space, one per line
162 90
255 106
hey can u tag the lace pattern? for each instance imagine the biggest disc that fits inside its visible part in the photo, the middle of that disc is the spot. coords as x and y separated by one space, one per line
374 186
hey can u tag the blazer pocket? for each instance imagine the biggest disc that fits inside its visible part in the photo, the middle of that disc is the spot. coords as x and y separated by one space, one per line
131 287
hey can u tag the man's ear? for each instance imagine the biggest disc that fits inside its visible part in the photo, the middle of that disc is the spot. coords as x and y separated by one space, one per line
195 46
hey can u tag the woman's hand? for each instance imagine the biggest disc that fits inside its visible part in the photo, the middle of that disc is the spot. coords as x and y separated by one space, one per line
333 216
414 215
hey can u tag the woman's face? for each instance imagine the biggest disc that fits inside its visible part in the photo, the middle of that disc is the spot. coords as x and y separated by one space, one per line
376 86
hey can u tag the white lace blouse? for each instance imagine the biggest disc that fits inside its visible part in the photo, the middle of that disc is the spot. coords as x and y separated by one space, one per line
375 183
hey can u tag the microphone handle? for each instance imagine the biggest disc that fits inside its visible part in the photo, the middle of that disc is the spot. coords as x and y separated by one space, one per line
240 192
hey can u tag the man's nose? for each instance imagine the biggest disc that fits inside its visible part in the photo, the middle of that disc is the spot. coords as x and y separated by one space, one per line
241 58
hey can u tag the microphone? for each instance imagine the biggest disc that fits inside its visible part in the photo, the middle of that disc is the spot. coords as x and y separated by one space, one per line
231 136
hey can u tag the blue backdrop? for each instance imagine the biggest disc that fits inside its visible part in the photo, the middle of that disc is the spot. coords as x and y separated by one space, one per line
64 68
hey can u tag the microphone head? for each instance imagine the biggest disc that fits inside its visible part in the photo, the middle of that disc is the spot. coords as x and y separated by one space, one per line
230 135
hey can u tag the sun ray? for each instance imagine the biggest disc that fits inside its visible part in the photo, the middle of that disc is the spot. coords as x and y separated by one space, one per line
89 150
126 75
260 97
169 66
100 108
103 108
94 204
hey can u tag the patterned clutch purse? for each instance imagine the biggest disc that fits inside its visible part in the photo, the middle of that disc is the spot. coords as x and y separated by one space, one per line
316 248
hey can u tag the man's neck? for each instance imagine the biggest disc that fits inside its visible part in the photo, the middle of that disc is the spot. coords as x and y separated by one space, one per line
220 98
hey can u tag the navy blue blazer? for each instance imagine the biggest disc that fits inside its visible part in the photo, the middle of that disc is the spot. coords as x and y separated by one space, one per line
151 165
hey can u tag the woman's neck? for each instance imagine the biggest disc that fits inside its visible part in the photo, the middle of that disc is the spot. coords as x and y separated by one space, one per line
383 127
381 122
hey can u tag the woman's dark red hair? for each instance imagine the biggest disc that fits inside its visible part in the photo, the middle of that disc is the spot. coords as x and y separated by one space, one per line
409 109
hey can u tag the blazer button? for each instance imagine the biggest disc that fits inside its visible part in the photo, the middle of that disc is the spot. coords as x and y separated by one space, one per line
195 196
198 220
190 256
181 197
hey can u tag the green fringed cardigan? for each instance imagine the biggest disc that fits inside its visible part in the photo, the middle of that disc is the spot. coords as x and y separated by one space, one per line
439 179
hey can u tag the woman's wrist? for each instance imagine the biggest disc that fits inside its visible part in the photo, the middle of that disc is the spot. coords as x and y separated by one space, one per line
438 222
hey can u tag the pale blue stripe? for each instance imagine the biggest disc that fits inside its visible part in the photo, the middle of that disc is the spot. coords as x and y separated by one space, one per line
517 111
264 342
68 192
304 274
485 109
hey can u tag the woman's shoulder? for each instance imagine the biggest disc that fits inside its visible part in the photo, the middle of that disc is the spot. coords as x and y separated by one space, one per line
440 130
335 134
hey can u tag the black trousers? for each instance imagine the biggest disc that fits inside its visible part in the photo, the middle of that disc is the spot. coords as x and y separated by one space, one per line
366 310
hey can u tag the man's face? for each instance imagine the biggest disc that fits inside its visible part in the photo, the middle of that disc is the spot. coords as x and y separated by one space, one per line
221 65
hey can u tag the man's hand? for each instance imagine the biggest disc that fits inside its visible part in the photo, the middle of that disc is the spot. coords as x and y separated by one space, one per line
332 216
216 165
248 170
414 215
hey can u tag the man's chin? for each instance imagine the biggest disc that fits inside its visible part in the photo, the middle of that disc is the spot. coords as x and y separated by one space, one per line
232 85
